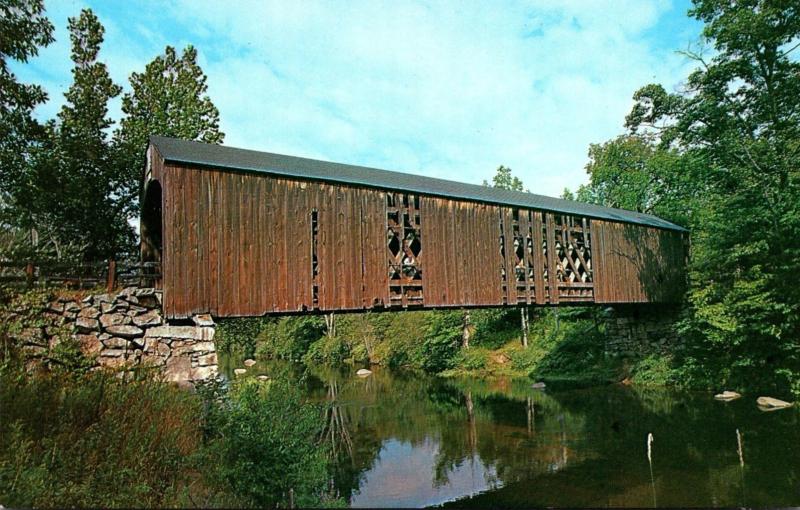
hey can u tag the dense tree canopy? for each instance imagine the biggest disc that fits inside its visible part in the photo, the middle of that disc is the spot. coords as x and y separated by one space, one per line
23 30
721 157
88 209
66 182
170 99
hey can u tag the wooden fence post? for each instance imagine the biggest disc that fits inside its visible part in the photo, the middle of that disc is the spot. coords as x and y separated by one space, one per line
112 274
29 274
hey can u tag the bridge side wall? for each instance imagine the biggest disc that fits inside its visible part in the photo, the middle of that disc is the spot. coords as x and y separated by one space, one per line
637 264
246 244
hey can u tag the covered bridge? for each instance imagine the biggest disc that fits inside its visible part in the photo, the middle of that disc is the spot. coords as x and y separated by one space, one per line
246 233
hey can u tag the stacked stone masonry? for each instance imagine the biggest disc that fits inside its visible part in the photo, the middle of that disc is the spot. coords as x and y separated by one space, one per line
127 329
640 330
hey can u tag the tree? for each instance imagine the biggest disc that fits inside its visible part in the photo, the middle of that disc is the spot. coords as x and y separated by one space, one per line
24 28
169 98
88 208
504 180
739 120
632 172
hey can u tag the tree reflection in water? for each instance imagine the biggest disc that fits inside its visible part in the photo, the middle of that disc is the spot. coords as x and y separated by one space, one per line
408 439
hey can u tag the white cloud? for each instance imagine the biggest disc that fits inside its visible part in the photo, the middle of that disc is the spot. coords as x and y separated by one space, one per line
448 89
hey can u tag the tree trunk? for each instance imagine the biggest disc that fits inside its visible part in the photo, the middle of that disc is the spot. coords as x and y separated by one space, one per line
466 331
330 325
524 315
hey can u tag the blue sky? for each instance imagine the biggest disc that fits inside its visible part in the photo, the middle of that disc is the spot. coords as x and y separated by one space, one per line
446 89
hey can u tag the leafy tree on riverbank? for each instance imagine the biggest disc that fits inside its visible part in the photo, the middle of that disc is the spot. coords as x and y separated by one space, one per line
721 157
24 29
65 182
170 99
84 191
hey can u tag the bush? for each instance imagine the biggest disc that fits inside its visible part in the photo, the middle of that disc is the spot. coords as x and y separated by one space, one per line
268 443
494 327
653 370
289 337
442 341
327 350
239 334
525 360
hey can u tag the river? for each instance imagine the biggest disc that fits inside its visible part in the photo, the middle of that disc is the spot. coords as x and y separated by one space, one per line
404 439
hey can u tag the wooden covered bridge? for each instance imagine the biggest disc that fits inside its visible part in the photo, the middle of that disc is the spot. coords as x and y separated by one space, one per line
246 233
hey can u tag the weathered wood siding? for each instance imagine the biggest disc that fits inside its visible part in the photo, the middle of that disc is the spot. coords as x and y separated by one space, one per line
247 244
638 264
460 253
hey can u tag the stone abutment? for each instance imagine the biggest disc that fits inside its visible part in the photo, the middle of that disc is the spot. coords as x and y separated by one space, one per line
127 329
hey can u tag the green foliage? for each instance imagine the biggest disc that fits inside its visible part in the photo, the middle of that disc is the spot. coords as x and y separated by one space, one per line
503 179
573 349
720 156
239 335
474 358
65 182
86 208
289 337
61 189
268 443
633 172
525 360
494 327
441 342
328 349
93 441
24 28
78 438
170 99
654 370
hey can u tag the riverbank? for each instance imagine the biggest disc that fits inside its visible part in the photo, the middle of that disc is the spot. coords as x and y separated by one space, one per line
77 434
581 346
566 347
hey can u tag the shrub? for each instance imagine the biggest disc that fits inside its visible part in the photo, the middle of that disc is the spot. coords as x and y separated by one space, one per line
290 337
525 360
269 443
474 358
494 327
240 334
442 340
653 370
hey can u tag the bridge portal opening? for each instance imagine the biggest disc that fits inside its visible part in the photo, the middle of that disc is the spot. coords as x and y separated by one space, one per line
150 226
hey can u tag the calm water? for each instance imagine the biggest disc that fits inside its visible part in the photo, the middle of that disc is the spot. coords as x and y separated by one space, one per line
407 440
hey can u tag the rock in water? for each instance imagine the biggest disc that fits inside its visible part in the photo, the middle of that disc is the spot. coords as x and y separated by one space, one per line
538 386
363 372
249 362
772 404
239 371
727 396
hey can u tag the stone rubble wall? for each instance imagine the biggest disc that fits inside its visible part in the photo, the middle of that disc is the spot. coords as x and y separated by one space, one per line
127 328
638 330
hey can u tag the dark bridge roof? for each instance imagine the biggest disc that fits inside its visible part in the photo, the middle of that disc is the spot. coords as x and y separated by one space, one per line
219 156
